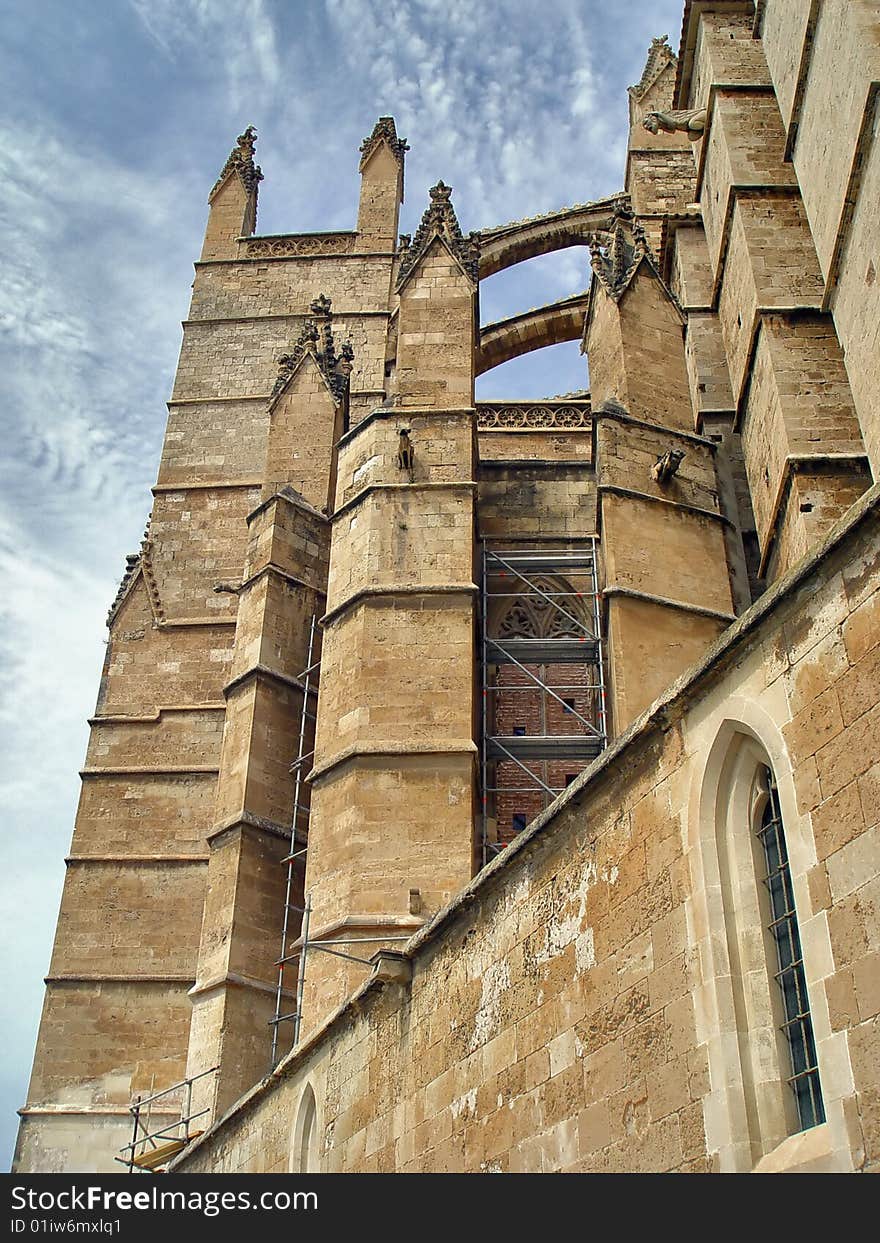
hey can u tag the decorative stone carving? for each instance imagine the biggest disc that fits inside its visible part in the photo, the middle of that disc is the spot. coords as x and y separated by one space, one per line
316 338
531 616
691 122
132 564
405 454
440 220
660 54
543 416
384 131
241 161
616 252
139 563
299 244
667 466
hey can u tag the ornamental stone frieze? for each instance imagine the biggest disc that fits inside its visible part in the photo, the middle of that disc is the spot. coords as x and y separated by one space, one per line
533 417
299 244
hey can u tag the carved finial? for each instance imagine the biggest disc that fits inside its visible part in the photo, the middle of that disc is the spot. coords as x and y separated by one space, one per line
246 143
617 251
317 339
440 220
660 54
384 131
241 161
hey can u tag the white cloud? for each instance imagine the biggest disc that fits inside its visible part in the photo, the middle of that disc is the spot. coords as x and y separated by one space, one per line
236 37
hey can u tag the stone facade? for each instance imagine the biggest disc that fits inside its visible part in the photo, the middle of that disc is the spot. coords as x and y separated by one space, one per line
500 977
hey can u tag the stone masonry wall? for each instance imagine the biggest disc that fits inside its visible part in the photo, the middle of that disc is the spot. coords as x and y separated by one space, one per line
574 1009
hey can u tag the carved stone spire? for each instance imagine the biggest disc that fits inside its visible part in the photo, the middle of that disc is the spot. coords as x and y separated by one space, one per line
660 54
384 131
241 161
139 564
440 220
316 338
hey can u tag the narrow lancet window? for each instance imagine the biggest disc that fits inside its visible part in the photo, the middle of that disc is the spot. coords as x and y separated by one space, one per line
797 1026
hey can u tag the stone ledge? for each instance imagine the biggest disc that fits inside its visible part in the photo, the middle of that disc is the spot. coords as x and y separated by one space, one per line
246 820
611 410
404 413
313 258
290 498
138 860
271 568
220 486
108 1111
397 589
282 315
180 623
616 490
153 717
351 923
391 747
271 675
668 603
148 770
101 978
420 486
234 979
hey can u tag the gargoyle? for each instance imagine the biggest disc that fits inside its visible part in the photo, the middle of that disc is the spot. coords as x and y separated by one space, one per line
692 122
667 466
405 457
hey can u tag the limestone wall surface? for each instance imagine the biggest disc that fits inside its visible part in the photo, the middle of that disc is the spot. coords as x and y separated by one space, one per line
579 1007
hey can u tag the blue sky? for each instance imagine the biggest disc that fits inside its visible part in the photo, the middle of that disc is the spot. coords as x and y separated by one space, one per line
117 117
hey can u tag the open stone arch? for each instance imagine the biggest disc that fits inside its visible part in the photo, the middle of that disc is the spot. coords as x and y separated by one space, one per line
531 330
513 243
507 244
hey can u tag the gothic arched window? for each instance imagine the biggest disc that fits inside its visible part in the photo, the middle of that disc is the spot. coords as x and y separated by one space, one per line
797 1025
763 1051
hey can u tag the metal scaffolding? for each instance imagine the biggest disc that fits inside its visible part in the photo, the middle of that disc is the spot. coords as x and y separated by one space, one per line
563 585
301 767
151 1151
299 832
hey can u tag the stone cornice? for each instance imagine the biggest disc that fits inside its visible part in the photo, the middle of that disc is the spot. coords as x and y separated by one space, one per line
138 860
666 602
398 412
121 718
442 485
698 510
392 747
226 829
149 770
270 675
396 589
